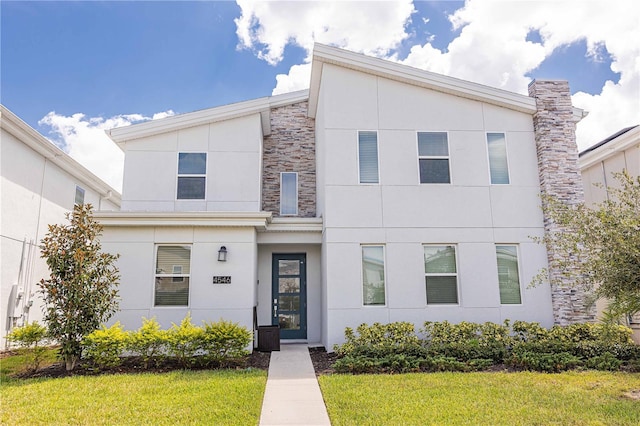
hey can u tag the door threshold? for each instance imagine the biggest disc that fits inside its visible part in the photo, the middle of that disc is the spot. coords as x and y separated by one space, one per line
292 341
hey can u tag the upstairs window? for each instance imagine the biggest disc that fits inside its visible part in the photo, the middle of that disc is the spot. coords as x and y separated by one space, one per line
433 157
441 274
498 164
79 200
173 267
373 275
192 175
368 157
288 194
508 277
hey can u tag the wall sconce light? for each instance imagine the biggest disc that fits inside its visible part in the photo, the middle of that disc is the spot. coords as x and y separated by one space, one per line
222 254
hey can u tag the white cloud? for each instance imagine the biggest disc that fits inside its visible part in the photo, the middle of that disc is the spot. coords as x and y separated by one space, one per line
85 140
491 48
373 28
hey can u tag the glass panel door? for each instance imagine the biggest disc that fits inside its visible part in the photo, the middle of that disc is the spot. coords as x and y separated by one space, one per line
289 295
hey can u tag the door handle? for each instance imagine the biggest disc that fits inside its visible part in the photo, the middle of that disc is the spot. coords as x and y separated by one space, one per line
275 308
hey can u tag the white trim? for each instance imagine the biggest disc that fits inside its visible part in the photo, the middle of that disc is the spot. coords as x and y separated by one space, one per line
358 156
258 220
384 272
621 143
296 197
34 140
323 54
506 153
448 274
260 106
434 157
518 257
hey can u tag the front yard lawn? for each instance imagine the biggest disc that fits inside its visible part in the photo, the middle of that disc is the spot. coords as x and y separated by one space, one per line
225 397
571 398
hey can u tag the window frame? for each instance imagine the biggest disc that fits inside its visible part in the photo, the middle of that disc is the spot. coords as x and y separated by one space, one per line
296 194
441 274
82 191
518 257
171 275
384 276
179 175
434 157
506 156
377 156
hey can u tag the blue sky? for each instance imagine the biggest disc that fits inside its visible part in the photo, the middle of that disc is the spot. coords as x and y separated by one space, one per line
72 69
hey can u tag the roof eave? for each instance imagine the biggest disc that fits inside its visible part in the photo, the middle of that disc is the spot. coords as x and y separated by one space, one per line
621 143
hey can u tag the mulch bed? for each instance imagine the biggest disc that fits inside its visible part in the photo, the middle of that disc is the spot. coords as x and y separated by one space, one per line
322 364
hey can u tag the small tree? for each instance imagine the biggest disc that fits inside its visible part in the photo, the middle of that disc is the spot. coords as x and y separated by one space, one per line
601 250
81 292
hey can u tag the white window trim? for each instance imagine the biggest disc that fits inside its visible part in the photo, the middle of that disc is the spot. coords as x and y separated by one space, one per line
434 157
384 271
297 190
156 275
457 275
358 155
518 258
506 153
178 175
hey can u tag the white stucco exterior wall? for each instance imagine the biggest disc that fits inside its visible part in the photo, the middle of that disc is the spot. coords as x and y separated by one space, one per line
234 157
402 214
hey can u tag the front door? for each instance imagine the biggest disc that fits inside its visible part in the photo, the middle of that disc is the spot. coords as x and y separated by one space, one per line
289 295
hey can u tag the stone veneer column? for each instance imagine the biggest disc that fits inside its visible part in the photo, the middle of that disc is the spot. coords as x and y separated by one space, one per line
290 148
554 128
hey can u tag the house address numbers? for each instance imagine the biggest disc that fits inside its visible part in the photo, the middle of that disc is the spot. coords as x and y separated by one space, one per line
222 280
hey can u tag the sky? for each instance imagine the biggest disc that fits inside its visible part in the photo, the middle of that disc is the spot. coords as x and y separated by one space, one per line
71 70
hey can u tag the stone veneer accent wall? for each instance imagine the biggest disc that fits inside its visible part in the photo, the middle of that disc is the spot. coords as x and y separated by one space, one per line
555 136
290 148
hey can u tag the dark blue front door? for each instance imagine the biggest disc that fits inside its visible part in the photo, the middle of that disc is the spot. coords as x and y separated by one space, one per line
289 295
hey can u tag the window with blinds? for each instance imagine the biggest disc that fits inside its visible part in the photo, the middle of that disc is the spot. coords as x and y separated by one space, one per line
79 199
373 275
508 276
433 157
288 194
192 175
498 164
441 274
173 268
368 157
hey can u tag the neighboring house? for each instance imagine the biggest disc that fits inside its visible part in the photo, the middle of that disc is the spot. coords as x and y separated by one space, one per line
383 193
40 183
616 153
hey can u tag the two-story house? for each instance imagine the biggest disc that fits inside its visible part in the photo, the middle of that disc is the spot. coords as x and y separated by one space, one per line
383 193
39 183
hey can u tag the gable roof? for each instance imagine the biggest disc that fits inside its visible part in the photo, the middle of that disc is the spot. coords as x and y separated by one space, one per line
260 106
34 140
323 54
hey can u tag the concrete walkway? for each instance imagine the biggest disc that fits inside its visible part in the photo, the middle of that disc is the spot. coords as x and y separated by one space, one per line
292 396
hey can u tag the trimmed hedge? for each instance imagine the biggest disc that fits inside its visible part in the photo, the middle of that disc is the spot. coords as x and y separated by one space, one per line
466 346
213 344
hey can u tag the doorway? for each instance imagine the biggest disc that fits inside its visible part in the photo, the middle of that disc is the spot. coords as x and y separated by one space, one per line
289 295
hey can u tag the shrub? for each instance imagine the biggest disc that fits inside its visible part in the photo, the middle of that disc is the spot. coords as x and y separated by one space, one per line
606 361
105 346
382 339
225 340
31 339
149 341
466 341
184 341
546 362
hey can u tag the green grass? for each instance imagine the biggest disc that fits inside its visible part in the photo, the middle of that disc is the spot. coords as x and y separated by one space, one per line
225 397
18 363
572 398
